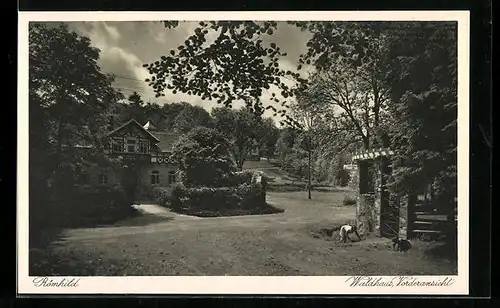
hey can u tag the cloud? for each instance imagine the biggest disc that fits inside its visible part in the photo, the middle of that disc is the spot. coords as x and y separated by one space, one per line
126 46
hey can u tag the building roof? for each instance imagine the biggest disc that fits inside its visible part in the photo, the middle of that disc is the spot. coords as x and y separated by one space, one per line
167 140
133 122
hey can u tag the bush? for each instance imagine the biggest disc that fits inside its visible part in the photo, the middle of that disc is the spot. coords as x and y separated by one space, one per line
244 177
238 178
349 200
162 195
203 157
244 196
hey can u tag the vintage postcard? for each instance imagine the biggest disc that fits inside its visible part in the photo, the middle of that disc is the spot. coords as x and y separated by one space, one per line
243 153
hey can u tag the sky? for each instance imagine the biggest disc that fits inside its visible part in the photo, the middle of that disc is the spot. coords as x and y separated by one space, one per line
126 45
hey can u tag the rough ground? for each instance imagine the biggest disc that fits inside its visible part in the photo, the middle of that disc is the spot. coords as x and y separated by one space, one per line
295 242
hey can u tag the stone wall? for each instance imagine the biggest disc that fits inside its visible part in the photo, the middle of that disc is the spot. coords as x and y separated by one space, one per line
378 210
352 170
365 213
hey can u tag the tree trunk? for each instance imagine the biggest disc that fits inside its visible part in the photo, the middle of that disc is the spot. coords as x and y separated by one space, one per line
366 142
309 176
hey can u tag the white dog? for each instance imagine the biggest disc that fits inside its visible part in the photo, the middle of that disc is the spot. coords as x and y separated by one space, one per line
345 230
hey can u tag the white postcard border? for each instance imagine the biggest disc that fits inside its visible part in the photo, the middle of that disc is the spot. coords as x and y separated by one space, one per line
326 285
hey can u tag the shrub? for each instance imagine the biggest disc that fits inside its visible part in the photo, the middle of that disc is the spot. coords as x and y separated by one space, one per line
238 178
203 157
244 177
162 195
349 200
244 196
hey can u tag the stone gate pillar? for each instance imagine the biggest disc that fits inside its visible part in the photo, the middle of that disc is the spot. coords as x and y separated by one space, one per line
365 215
377 210
389 207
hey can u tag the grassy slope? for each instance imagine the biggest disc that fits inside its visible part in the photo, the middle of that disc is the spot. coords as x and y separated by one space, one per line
279 244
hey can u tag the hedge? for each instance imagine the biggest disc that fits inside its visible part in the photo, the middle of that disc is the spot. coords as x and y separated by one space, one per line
238 178
244 196
241 190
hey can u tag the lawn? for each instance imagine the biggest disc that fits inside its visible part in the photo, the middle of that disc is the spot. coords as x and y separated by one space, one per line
288 243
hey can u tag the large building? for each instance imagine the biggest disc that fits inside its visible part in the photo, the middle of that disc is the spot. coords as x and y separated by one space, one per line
140 143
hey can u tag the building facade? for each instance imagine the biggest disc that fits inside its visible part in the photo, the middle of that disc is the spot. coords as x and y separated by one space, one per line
148 148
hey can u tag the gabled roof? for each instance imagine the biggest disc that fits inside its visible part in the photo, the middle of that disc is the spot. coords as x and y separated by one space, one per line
133 122
167 140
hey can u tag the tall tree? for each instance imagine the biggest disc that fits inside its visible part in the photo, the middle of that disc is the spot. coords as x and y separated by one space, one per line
268 137
308 113
191 116
203 157
350 61
285 143
69 97
241 128
136 99
132 108
424 125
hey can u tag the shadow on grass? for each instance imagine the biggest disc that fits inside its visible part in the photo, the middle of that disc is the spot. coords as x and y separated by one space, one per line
295 187
267 209
443 250
44 262
141 220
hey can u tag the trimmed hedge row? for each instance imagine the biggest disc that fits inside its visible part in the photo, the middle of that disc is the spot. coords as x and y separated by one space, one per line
244 196
243 191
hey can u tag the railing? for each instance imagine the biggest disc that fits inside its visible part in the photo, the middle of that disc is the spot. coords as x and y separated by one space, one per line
161 158
131 156
372 154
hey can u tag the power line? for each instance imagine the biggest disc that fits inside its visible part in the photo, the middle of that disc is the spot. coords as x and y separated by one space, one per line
128 78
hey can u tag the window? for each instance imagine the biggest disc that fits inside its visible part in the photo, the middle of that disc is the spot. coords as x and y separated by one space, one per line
143 147
155 177
103 178
131 145
117 146
171 177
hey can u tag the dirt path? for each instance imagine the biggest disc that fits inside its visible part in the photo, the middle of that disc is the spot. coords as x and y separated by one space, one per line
159 219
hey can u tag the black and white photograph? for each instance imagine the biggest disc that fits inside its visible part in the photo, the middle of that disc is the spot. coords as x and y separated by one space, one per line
224 146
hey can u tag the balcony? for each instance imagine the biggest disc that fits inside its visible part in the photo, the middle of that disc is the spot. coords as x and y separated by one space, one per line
134 156
161 158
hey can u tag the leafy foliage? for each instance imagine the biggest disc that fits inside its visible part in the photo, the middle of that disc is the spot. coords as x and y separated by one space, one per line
268 137
69 99
424 132
244 196
241 127
203 157
350 61
191 116
236 66
390 84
